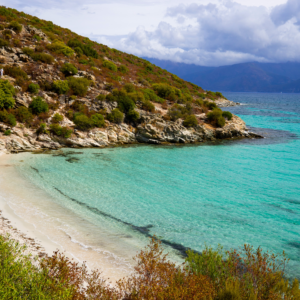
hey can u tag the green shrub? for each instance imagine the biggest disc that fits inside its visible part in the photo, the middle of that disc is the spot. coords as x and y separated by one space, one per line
33 88
101 97
83 122
215 117
38 56
79 86
37 37
38 105
15 26
132 116
227 115
3 43
7 132
85 49
60 48
210 105
69 69
190 121
78 51
60 86
42 129
166 91
136 96
57 118
7 34
7 92
123 69
11 120
98 120
151 96
23 115
148 106
116 116
110 65
15 72
7 118
61 131
129 87
125 104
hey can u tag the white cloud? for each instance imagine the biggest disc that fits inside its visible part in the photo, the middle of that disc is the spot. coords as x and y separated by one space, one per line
204 32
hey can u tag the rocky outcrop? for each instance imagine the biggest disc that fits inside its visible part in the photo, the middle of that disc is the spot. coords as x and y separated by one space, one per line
153 130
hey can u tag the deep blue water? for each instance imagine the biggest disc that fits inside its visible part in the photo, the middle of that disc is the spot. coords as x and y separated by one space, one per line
228 193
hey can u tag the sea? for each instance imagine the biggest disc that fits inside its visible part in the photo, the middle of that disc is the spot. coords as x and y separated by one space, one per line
112 201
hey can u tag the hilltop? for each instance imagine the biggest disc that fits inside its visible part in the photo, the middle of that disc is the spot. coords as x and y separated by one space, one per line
61 89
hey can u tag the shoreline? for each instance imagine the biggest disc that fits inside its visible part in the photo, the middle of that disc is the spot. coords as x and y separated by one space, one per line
25 228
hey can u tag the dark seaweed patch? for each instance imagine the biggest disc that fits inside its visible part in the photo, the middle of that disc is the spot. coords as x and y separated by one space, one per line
294 244
141 229
73 160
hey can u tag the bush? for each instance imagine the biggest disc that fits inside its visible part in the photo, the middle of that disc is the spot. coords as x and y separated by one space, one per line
148 106
15 72
83 122
57 118
85 49
101 97
7 132
42 129
3 43
210 105
60 86
215 117
129 87
15 26
7 118
61 131
116 116
33 88
123 69
38 105
227 115
125 104
110 65
166 91
37 56
150 95
7 34
7 92
190 121
60 48
69 69
79 86
132 116
23 115
98 120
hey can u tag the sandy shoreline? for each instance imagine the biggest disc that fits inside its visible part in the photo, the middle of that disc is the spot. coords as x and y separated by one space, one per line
43 234
21 231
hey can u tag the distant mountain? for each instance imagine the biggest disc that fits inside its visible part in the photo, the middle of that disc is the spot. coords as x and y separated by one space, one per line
245 77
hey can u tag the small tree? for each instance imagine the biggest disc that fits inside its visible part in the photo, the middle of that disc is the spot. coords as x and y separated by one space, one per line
215 117
98 120
190 121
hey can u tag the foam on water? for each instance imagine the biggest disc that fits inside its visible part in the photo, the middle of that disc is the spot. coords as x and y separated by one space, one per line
112 200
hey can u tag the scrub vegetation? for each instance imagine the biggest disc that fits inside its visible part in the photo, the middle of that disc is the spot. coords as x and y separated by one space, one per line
213 274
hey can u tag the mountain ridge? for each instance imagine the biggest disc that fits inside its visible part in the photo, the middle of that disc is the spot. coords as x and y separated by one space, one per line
244 77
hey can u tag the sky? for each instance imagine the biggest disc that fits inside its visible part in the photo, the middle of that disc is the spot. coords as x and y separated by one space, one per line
202 32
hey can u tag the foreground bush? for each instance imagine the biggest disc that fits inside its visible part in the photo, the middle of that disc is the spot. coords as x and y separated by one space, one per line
211 275
8 118
15 72
83 122
60 86
110 65
61 131
79 86
33 88
39 56
60 48
116 116
190 121
23 115
227 115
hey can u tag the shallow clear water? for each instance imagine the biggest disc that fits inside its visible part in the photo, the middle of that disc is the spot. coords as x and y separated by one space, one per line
227 193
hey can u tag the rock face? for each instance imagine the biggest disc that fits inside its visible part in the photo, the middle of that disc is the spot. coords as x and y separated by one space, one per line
153 130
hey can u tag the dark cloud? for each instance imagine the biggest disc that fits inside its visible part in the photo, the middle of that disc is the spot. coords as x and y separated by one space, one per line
221 34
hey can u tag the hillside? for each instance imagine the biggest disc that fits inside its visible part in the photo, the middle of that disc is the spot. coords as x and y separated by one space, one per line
245 77
61 89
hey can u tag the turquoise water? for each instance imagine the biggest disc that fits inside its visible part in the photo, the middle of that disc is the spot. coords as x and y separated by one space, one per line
227 193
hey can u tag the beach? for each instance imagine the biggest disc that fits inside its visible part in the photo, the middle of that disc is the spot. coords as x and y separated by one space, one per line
32 224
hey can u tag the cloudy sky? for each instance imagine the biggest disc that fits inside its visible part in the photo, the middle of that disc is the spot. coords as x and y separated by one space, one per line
203 32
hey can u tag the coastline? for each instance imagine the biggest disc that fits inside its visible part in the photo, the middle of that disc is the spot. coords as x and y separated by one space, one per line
24 227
